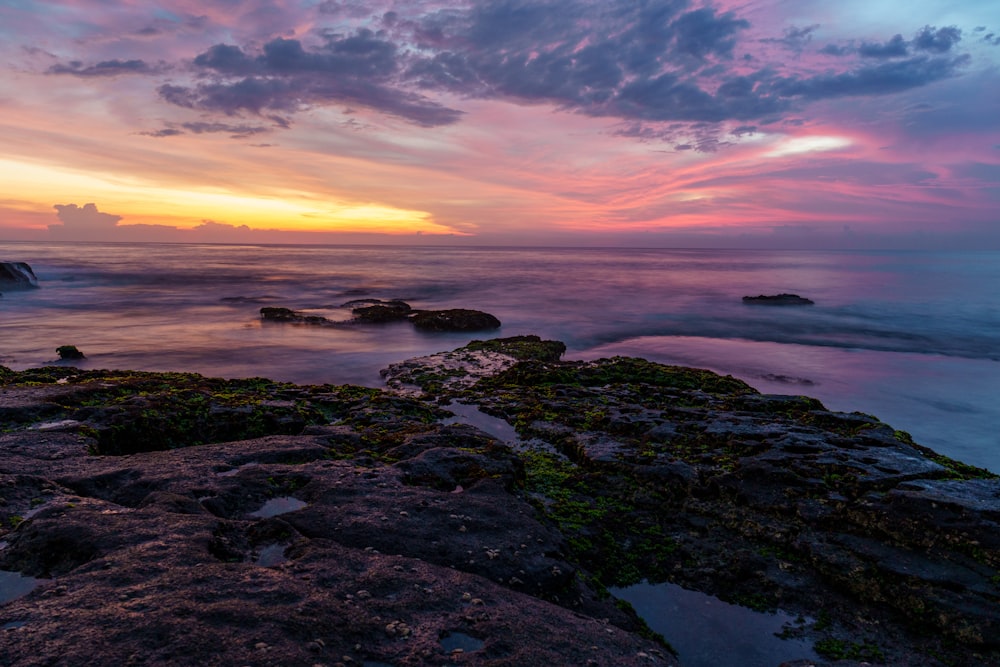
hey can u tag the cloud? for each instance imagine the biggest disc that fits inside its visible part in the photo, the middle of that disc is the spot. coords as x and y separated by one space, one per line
286 77
882 79
645 63
794 38
894 48
107 68
82 223
939 40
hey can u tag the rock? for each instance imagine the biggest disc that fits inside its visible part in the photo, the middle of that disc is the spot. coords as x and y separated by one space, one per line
778 300
624 470
17 275
69 352
276 314
455 319
378 312
162 546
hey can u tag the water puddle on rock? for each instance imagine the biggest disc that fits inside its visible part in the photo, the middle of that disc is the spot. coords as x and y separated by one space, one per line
708 632
14 585
276 506
460 641
233 471
473 416
271 555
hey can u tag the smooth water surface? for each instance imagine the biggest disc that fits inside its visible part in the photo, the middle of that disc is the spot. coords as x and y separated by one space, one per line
707 632
911 337
14 585
276 506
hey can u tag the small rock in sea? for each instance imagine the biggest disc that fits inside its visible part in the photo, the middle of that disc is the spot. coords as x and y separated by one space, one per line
778 300
69 352
378 312
455 319
277 314
17 275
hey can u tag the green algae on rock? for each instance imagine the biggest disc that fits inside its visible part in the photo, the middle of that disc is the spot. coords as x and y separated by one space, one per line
624 470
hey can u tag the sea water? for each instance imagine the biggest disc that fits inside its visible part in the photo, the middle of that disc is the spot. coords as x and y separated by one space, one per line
910 337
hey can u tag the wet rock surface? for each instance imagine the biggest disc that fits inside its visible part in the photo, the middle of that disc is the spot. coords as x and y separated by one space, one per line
392 538
376 311
17 275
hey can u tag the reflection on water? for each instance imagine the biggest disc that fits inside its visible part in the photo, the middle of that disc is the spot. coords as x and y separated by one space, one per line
460 641
946 403
14 585
707 632
271 555
473 416
276 506
913 337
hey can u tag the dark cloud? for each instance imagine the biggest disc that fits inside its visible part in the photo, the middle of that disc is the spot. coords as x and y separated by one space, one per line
702 33
794 38
888 77
104 68
286 77
650 63
939 40
837 50
237 131
165 132
894 48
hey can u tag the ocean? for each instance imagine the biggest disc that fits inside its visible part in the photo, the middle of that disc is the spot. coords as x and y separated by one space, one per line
910 337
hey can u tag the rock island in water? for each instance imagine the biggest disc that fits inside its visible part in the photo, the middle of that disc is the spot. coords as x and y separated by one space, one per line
170 518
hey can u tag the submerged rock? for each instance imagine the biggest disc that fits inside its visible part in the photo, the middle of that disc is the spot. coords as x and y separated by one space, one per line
778 300
17 275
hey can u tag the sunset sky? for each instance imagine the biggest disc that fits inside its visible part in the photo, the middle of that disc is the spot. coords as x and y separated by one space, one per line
770 123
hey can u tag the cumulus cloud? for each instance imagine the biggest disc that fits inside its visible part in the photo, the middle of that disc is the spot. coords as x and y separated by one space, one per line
938 40
82 223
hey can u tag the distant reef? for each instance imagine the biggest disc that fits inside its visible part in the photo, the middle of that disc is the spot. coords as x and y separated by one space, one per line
778 300
170 518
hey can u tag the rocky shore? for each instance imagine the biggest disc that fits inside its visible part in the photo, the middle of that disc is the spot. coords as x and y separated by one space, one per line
167 518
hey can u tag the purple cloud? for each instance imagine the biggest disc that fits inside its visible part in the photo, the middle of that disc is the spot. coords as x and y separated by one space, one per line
287 77
104 68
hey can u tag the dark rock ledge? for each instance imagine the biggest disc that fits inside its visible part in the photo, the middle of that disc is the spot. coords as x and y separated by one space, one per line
375 311
17 276
139 501
778 300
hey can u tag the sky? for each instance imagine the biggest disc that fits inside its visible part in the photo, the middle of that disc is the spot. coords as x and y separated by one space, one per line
651 123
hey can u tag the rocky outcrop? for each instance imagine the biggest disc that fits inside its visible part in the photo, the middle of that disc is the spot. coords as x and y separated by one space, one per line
69 353
389 538
17 275
276 314
375 311
255 522
455 319
778 300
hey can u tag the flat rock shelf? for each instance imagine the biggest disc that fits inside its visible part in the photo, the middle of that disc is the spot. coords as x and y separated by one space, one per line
170 518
